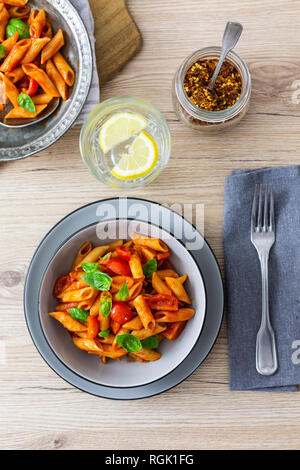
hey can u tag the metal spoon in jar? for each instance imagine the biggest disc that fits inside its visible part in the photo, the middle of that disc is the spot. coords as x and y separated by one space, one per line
231 36
24 122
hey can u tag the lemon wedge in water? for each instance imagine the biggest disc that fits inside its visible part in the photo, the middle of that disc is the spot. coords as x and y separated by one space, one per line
120 127
139 161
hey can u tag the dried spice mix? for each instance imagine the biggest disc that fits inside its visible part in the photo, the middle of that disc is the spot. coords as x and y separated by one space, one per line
227 89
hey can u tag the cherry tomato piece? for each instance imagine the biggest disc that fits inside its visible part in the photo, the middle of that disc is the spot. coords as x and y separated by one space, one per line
120 312
119 266
123 252
92 327
29 86
32 87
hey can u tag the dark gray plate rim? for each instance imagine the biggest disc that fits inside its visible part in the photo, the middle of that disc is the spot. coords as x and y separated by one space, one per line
208 266
113 386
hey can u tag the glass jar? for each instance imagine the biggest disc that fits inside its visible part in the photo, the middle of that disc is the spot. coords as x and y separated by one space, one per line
201 119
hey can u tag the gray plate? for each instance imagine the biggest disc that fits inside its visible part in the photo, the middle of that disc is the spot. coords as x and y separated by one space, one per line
92 214
20 143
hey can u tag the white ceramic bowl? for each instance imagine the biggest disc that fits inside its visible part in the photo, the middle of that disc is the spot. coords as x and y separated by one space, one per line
124 373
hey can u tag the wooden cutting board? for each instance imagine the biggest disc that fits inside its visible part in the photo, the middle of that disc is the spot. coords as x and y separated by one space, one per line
117 36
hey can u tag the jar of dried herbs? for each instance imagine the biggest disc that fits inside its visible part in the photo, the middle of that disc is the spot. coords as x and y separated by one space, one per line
215 110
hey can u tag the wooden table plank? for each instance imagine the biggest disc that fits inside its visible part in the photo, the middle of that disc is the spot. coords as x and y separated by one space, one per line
37 408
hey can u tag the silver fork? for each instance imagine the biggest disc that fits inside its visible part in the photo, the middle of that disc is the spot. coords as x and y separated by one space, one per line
263 238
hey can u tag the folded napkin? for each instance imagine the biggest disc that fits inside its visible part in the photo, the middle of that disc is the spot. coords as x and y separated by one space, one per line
243 278
83 8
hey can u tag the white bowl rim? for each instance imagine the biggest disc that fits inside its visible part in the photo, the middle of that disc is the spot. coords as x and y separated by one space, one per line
183 357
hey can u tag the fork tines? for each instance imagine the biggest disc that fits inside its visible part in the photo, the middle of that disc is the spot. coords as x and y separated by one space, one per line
262 219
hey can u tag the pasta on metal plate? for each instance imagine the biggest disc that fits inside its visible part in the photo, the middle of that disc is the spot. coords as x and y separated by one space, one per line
33 70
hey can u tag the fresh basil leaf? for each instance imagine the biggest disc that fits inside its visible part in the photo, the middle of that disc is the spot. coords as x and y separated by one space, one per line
26 102
103 258
123 293
2 51
150 267
79 314
14 25
98 280
129 342
151 342
103 333
105 305
90 267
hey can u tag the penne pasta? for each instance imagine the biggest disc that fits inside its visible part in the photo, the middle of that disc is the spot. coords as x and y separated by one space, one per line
77 295
64 69
144 312
83 251
10 42
19 112
163 273
47 31
37 22
32 16
16 75
16 3
169 317
147 253
136 266
143 333
42 78
98 252
53 46
15 56
21 12
67 321
57 79
108 351
94 310
118 281
174 330
135 290
104 321
153 243
43 98
183 278
122 331
65 307
108 339
147 354
178 290
34 49
89 345
4 17
159 285
10 89
134 324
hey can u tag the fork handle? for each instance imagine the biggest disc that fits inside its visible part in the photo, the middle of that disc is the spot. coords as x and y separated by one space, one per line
266 354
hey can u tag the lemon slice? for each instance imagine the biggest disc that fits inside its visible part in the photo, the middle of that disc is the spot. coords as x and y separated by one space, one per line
140 160
118 128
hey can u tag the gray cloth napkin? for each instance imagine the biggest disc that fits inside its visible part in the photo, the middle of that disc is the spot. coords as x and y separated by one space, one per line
243 278
83 8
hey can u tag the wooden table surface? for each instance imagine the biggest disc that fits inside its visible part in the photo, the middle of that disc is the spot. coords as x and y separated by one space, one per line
38 410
